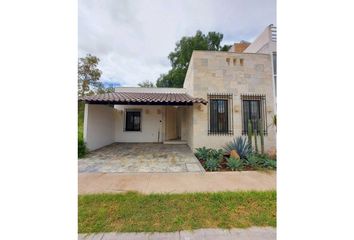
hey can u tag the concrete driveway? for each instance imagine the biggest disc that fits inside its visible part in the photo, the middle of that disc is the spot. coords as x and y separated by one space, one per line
140 157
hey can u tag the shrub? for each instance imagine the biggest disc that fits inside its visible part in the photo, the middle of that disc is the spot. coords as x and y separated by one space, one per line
216 154
234 163
212 164
253 161
202 153
261 161
82 150
271 164
214 159
241 145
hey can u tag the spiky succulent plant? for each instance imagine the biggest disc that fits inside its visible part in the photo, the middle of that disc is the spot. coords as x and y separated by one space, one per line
240 145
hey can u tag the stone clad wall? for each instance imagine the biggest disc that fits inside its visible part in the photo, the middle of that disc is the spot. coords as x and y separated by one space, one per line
211 73
188 81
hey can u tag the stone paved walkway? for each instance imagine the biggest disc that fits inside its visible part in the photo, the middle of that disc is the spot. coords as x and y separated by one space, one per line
176 182
140 157
253 233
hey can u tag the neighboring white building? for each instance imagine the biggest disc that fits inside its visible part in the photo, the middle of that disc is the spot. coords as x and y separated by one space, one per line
221 92
265 43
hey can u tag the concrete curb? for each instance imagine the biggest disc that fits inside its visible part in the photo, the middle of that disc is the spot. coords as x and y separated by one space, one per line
254 233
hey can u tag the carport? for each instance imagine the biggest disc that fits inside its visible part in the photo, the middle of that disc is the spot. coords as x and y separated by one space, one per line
138 116
140 157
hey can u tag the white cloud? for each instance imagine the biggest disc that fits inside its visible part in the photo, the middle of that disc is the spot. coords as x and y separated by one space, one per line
133 37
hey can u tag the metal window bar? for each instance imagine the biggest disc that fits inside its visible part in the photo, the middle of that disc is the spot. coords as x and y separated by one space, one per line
220 114
132 120
253 105
273 31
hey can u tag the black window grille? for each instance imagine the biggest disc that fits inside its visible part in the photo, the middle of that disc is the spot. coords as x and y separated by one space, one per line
132 120
220 114
254 109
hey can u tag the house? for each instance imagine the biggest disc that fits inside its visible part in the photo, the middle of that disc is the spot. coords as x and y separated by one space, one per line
221 92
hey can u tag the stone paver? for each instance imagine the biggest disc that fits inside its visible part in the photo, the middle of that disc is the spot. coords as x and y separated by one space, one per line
140 157
253 233
176 182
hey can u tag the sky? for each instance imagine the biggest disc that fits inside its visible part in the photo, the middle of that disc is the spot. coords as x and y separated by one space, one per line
133 38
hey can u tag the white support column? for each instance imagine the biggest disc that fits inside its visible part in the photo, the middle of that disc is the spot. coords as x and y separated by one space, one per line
98 126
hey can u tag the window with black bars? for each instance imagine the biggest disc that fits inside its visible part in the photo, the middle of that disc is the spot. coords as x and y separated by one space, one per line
254 109
220 114
132 120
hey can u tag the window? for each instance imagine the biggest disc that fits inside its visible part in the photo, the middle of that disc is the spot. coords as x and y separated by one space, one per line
253 108
220 114
228 61
241 61
132 120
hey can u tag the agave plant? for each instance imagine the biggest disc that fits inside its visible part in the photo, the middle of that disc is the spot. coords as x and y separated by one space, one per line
212 164
253 160
202 153
240 145
216 154
234 163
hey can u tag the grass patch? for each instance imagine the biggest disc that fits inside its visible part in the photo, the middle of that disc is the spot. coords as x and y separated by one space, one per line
133 212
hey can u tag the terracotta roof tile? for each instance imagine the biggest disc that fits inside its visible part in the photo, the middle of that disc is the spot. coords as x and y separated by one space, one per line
135 97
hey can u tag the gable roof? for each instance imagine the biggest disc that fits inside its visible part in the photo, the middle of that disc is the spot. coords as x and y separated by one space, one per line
143 98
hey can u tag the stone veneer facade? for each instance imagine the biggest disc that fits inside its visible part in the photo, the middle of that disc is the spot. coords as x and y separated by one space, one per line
221 72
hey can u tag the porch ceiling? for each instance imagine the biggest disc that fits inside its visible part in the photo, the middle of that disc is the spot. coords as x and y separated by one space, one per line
143 98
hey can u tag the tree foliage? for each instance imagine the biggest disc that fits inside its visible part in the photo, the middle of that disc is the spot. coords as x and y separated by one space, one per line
89 75
182 54
146 83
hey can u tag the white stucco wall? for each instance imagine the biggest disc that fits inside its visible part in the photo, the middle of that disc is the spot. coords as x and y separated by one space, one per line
151 126
98 126
104 125
263 43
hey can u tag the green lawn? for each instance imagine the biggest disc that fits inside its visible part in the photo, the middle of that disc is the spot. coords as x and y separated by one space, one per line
133 212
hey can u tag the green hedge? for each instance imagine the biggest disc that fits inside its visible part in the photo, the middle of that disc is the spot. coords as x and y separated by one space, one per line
81 148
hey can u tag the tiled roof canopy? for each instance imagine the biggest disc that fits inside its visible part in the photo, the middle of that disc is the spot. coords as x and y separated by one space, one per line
143 98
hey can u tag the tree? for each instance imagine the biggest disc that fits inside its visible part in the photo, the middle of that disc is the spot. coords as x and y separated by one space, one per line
147 84
88 75
102 89
182 54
